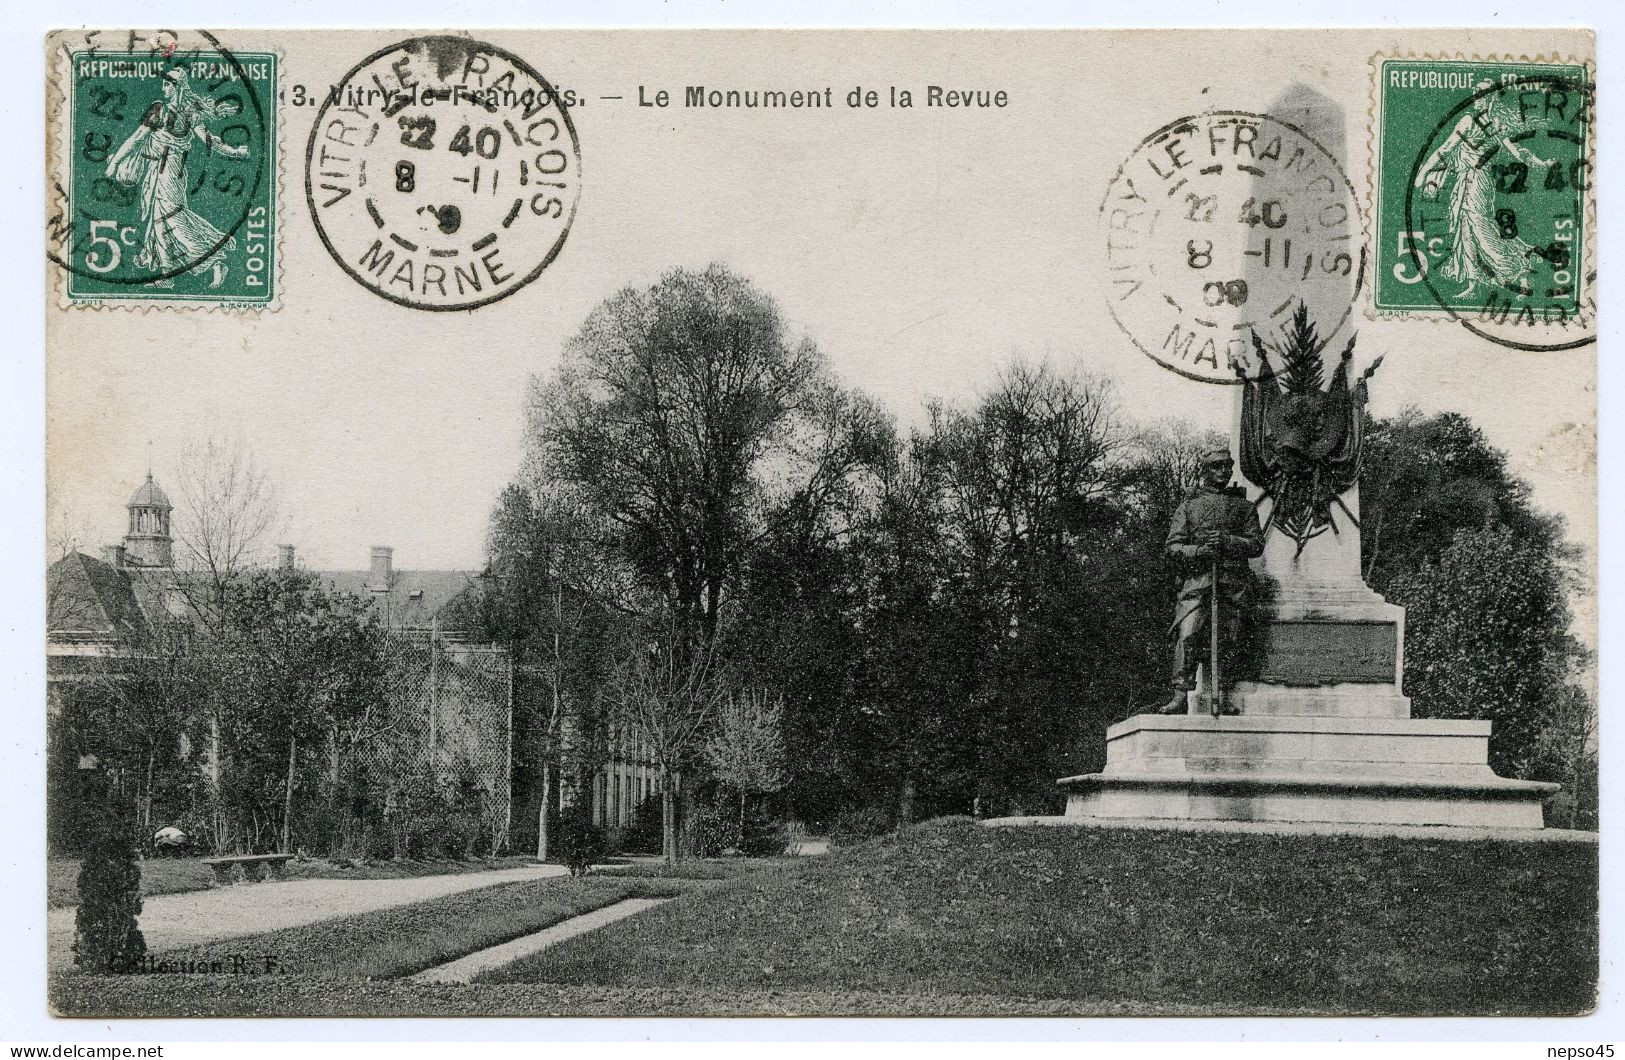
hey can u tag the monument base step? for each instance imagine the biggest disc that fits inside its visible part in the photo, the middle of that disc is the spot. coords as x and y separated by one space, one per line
1347 700
1403 748
1427 832
1265 767
1491 802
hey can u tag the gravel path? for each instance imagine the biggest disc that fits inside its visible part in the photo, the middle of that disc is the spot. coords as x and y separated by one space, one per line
173 920
465 968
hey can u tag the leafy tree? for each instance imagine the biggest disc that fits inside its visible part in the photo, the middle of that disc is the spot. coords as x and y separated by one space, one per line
981 614
746 749
299 661
668 698
131 708
916 665
696 438
678 412
802 595
1036 502
1486 578
544 598
796 632
1487 636
1424 479
1566 752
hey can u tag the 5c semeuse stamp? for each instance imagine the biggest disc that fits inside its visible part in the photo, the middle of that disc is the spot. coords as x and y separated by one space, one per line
166 180
1483 184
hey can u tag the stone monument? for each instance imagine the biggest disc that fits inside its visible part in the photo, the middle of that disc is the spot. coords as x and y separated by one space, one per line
1322 730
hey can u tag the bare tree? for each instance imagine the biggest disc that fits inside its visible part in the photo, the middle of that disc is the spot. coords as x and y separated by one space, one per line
68 603
66 529
668 696
747 748
226 516
1168 458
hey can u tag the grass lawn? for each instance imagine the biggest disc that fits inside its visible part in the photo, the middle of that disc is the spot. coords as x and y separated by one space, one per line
172 875
158 876
349 965
301 996
1226 922
693 868
952 919
387 943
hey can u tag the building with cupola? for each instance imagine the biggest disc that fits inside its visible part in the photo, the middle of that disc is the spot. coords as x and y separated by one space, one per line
148 542
459 697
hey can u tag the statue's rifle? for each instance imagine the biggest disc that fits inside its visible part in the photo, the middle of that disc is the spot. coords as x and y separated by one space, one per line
1215 685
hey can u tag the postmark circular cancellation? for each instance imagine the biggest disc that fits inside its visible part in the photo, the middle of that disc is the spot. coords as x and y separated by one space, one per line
442 173
1216 227
1495 205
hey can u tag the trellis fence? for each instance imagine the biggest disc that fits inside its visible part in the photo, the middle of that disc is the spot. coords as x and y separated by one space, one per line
449 735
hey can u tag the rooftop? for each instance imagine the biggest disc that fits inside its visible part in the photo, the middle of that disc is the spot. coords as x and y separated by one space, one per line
149 495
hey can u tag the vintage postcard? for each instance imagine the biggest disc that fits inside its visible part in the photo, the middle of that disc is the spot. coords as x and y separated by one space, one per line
911 523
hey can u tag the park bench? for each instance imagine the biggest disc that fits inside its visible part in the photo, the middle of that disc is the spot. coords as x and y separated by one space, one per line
251 863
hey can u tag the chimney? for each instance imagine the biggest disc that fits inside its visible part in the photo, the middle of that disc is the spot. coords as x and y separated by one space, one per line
382 564
284 557
113 555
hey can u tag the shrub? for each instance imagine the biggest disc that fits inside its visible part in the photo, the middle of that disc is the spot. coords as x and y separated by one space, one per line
856 825
764 837
576 841
440 822
194 821
105 936
714 830
952 820
643 836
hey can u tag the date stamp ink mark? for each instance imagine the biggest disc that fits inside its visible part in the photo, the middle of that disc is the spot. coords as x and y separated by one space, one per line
170 190
1484 178
442 173
1219 225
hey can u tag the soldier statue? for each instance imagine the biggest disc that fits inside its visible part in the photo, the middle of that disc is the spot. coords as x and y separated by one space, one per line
1216 528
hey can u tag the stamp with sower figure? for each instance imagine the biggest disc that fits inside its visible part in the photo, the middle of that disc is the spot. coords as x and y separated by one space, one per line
166 190
1483 180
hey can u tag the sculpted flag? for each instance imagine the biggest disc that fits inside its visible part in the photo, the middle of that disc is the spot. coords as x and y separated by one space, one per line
1300 442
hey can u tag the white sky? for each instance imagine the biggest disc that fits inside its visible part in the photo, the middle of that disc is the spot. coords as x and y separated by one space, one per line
920 249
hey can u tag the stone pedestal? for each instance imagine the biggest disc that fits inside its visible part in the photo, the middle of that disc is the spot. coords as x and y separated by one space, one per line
1322 624
1325 733
1369 769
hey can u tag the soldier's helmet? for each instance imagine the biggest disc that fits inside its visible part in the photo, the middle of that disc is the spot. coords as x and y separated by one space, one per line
1216 454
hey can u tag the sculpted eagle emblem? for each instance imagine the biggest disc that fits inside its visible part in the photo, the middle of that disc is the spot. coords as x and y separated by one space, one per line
1301 440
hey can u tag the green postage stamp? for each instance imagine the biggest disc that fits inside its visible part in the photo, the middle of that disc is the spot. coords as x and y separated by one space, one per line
1482 175
170 159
